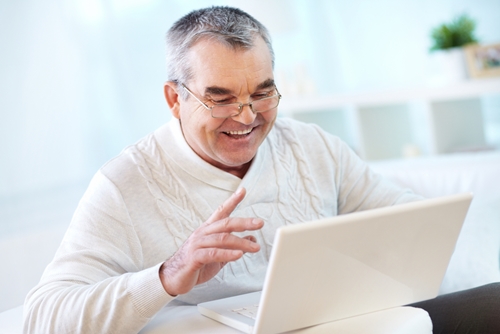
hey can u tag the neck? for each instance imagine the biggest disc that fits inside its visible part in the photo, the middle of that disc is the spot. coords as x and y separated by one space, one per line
239 171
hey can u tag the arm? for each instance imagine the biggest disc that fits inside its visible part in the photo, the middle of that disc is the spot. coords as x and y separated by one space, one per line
360 188
98 280
333 163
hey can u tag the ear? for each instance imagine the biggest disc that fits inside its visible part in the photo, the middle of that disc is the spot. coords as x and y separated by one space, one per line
173 98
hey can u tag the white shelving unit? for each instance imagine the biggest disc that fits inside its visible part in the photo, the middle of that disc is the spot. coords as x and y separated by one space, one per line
399 123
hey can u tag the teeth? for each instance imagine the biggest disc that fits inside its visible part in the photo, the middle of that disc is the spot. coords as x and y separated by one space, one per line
244 132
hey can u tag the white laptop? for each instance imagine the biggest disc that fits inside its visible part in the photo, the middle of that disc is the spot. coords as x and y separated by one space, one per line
349 265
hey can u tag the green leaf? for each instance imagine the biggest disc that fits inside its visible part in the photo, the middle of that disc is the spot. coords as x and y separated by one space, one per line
459 32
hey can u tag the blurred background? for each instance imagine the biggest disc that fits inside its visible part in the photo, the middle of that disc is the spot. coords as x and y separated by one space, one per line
82 79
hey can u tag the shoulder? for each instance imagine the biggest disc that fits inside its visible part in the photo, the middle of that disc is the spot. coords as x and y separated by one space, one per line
312 143
137 165
289 124
127 161
308 132
310 136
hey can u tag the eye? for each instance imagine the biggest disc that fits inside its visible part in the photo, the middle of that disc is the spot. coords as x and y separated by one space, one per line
262 95
224 101
259 96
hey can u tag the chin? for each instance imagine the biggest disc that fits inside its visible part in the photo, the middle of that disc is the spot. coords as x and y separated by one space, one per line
235 162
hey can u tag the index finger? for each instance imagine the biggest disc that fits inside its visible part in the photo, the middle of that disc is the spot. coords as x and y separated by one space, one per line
226 208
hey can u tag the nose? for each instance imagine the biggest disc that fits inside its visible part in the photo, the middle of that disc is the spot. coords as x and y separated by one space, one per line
247 116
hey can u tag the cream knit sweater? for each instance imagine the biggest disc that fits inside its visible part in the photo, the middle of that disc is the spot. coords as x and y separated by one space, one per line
143 204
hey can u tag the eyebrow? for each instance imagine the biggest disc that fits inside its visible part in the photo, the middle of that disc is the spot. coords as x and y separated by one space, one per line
266 84
216 90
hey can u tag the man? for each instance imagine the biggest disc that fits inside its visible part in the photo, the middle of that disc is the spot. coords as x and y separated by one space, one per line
189 213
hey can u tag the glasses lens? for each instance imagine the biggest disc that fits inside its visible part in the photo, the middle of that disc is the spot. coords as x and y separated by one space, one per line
233 109
265 104
225 110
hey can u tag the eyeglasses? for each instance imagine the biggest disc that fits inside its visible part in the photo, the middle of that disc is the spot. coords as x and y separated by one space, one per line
234 109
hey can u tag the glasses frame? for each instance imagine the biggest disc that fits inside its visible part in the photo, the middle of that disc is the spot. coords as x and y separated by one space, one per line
240 107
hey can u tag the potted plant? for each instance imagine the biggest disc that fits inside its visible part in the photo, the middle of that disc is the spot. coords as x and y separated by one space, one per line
458 33
447 54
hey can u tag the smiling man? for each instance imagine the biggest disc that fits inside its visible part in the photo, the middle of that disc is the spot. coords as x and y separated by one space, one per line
224 122
188 214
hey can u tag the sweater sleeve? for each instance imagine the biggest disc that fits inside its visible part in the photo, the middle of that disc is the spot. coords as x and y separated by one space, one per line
96 282
360 188
356 186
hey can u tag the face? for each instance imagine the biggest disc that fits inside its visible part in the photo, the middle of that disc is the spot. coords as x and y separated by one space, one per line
223 75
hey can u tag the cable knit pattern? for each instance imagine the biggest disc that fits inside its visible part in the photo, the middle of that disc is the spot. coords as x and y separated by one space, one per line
143 204
181 216
299 191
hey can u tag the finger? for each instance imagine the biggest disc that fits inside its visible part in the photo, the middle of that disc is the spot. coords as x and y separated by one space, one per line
230 241
251 238
226 208
233 224
210 255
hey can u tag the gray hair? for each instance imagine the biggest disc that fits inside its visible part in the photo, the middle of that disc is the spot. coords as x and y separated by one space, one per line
229 26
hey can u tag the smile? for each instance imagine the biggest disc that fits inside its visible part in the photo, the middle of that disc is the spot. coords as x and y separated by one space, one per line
239 133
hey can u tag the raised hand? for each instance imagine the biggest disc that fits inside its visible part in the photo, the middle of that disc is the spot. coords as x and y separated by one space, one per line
209 248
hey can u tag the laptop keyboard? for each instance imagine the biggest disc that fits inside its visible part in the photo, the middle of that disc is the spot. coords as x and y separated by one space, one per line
248 311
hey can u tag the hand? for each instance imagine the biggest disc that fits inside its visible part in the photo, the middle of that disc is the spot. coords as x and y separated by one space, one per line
209 248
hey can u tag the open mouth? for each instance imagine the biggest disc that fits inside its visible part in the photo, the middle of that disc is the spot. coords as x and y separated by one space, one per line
239 134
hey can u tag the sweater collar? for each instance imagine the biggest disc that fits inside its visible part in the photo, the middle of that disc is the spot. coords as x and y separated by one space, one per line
174 145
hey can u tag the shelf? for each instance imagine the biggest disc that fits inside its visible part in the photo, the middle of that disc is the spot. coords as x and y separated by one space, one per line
402 123
460 90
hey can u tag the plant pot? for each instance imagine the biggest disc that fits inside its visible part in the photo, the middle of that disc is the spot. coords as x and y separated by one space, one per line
447 67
